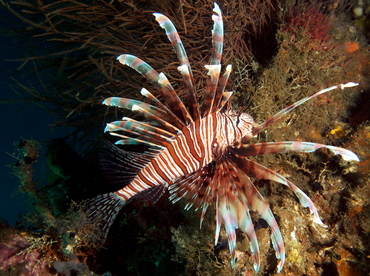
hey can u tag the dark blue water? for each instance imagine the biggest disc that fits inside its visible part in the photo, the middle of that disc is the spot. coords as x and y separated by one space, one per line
19 120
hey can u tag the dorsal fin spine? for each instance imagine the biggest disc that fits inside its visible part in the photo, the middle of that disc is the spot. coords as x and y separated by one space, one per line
131 104
135 141
214 68
150 112
157 79
155 140
166 124
186 71
135 128
218 104
177 122
150 127
225 98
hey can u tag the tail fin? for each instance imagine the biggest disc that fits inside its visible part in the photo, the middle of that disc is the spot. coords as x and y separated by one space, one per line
101 211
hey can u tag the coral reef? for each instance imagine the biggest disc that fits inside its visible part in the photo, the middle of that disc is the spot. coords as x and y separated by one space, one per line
24 255
27 255
42 243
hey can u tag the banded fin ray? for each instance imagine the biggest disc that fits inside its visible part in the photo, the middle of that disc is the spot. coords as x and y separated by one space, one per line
160 82
153 114
139 126
259 205
284 146
195 188
236 195
286 110
214 68
126 140
135 129
156 121
138 106
184 68
224 99
221 96
171 117
254 169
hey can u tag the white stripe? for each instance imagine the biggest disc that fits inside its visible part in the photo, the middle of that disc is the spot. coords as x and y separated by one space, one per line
162 165
157 178
196 146
189 161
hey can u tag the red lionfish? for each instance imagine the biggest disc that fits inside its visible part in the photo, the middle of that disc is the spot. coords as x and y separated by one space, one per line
199 152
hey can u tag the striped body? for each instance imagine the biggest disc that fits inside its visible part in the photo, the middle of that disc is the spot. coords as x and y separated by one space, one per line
198 151
197 145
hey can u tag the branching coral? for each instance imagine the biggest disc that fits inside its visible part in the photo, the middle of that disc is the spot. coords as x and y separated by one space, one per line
27 255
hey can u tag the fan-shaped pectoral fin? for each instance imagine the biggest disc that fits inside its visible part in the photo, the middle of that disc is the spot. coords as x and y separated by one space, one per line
229 211
284 146
195 188
246 225
233 203
254 169
259 205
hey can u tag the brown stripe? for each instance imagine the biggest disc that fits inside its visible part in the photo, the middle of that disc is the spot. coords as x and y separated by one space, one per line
175 157
192 163
159 171
146 181
120 193
194 142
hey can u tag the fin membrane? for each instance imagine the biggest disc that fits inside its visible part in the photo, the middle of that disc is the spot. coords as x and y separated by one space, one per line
101 212
120 166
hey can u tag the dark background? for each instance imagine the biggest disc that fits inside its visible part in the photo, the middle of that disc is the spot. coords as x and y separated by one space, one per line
19 120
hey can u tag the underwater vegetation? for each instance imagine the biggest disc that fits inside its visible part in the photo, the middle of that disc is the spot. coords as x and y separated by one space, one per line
163 239
199 152
84 37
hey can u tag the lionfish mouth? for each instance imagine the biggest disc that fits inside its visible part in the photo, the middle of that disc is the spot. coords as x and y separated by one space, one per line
199 150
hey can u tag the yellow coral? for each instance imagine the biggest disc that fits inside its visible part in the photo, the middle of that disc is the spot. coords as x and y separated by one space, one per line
338 131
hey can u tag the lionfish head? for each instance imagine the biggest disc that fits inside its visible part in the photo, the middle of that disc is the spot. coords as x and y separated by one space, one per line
244 123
